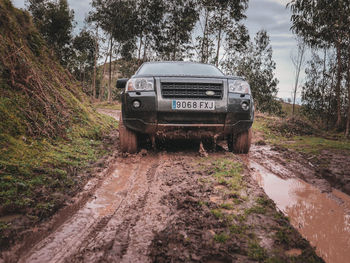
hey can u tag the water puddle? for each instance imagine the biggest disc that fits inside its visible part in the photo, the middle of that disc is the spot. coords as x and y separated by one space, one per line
104 203
322 218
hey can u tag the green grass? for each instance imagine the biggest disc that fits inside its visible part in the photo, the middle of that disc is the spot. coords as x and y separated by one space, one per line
29 166
228 172
314 145
108 105
306 144
256 252
288 109
227 206
217 213
221 238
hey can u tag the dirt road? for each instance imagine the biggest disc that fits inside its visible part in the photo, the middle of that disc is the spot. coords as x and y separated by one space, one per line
173 205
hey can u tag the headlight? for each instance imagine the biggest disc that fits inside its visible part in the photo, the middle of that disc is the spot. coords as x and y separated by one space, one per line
140 84
238 86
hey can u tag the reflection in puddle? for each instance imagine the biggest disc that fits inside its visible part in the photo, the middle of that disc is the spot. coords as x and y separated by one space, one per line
323 219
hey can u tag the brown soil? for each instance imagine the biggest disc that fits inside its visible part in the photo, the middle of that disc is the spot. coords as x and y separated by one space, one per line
240 233
166 206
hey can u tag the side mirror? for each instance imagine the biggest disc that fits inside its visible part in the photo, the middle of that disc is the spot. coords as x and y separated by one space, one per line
121 83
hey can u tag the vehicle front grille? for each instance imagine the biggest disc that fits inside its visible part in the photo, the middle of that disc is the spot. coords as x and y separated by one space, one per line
191 90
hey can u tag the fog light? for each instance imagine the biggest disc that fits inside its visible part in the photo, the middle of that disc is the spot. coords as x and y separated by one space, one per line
136 104
245 106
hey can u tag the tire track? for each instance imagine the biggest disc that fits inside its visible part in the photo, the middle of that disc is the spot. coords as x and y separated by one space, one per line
84 226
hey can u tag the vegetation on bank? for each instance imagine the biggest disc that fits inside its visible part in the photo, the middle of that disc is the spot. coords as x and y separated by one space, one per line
108 105
48 128
298 134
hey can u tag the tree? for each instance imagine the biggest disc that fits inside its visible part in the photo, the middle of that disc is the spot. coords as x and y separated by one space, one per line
150 14
323 23
117 18
256 65
179 21
347 129
219 22
54 20
318 95
298 61
82 61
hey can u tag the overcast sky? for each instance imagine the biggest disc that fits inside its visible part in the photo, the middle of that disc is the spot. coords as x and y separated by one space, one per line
270 15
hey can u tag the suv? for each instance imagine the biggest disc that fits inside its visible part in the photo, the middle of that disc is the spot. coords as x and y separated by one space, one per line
185 100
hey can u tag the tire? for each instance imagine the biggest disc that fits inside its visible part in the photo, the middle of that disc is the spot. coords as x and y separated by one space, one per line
210 144
241 142
128 139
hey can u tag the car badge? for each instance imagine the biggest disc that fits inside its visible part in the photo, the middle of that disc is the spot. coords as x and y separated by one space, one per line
210 93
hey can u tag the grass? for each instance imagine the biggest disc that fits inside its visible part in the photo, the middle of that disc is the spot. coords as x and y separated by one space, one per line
314 145
288 109
217 213
227 206
310 144
256 252
108 105
28 165
221 238
34 172
228 172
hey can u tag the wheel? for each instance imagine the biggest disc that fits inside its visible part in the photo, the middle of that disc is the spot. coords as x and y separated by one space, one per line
128 139
210 144
241 142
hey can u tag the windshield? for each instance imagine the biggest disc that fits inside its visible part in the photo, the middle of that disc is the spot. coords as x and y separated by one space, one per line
179 68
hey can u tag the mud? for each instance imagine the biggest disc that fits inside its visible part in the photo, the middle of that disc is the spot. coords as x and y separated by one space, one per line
168 206
26 230
113 113
319 212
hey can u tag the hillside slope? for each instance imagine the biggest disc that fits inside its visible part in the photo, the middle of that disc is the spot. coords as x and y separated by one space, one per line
48 129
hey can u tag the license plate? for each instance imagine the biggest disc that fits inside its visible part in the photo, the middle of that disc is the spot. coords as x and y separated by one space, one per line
193 105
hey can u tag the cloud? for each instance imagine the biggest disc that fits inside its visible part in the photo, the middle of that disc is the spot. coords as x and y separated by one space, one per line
274 17
271 15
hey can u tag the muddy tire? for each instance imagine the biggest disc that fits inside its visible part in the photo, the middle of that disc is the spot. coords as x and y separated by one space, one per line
128 139
241 142
209 144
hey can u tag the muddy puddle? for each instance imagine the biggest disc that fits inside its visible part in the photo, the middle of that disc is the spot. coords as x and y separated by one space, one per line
322 218
115 192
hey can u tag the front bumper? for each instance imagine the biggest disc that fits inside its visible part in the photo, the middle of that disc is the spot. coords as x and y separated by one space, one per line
156 117
148 120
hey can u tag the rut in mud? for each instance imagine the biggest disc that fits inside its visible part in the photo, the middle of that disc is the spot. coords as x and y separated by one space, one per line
319 212
174 205
163 206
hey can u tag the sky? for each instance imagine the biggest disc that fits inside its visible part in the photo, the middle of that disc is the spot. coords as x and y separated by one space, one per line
271 15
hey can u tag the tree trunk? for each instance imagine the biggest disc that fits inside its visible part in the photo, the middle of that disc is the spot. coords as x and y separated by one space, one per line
174 47
87 89
218 50
102 91
95 66
204 59
110 72
300 59
145 50
140 47
347 131
324 77
219 41
337 87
